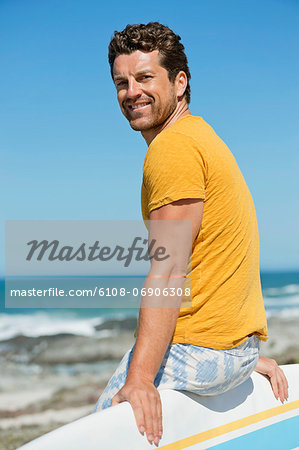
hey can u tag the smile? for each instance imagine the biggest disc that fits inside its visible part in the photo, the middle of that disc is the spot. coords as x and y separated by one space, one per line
138 106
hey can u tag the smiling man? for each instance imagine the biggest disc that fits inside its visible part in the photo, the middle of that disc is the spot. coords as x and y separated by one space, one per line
188 174
146 97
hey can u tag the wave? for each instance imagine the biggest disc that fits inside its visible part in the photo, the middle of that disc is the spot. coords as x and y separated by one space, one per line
284 314
289 289
42 324
281 302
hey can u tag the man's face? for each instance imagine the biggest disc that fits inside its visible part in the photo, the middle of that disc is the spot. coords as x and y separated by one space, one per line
145 94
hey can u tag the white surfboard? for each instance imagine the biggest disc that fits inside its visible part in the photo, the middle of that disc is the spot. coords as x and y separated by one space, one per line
247 417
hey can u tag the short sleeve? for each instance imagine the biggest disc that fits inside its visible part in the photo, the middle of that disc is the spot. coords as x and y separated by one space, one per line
174 169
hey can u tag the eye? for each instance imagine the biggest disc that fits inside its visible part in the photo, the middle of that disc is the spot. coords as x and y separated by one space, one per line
120 83
145 77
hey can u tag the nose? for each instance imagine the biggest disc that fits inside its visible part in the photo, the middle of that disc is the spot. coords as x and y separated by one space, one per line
134 88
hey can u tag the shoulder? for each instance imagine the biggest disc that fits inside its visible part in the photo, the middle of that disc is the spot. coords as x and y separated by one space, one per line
189 131
173 148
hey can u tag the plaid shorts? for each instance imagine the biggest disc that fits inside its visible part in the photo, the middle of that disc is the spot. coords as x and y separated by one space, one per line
186 367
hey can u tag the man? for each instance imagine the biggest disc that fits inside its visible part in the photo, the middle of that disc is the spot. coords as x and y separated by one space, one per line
188 174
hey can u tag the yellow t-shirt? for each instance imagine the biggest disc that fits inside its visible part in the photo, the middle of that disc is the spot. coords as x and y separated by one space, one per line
188 160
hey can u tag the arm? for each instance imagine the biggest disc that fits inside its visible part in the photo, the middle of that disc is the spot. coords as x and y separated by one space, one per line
156 324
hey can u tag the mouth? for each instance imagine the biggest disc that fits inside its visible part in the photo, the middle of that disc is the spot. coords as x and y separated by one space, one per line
138 106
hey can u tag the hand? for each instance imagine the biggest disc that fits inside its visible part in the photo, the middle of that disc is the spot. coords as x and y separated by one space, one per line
146 403
274 373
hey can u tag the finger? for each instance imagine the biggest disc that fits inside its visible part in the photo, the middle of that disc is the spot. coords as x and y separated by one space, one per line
139 415
148 417
280 386
115 400
156 421
274 385
118 398
159 421
285 384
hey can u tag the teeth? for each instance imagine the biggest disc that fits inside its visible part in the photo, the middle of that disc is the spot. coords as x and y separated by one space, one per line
141 105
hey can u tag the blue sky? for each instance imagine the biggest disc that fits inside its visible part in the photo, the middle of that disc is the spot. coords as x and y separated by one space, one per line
66 150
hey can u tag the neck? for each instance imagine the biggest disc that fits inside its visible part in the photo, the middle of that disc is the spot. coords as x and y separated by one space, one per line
180 111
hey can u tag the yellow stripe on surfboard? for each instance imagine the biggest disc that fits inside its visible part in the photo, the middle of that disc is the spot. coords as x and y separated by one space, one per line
231 426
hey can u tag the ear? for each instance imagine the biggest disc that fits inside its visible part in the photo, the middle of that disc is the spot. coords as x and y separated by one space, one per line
181 83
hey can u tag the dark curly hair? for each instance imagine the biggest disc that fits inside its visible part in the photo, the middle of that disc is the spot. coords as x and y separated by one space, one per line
149 37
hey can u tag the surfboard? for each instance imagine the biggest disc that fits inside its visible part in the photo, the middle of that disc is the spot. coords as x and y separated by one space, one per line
247 417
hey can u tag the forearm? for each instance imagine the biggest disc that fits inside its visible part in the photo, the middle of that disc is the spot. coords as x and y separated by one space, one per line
155 329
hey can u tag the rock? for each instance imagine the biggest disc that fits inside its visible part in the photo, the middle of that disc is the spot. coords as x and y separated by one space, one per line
81 349
129 323
283 342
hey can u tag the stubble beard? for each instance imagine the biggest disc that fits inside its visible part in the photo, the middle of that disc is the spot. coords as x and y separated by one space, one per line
158 117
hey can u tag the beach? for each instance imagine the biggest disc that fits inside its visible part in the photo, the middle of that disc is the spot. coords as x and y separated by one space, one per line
52 380
48 381
54 365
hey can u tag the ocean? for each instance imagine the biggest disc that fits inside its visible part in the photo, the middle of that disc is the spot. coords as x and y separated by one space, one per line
280 293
